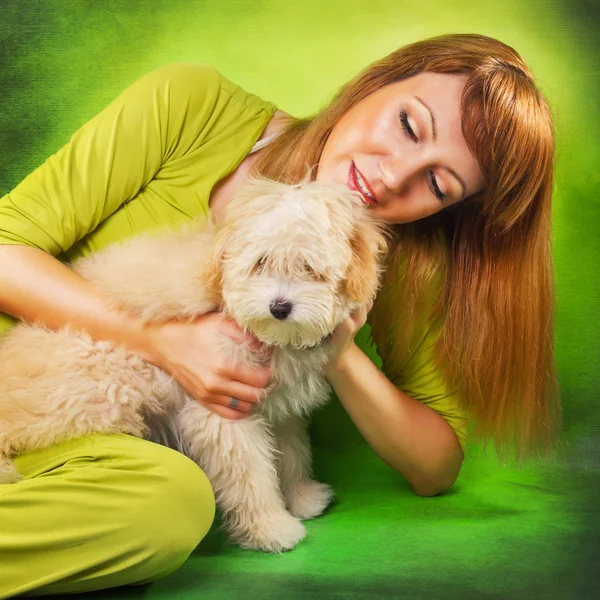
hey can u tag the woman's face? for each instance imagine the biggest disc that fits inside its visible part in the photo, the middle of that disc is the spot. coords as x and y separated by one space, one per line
403 149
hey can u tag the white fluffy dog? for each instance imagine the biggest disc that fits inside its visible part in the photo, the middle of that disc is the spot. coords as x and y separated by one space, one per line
288 263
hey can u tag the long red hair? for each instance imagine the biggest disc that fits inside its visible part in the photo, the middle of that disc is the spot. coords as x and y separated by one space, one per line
488 258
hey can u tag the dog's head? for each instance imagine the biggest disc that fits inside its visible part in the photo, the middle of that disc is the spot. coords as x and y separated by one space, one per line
292 262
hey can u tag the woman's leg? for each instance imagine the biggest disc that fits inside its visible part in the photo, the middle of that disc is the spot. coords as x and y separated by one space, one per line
99 512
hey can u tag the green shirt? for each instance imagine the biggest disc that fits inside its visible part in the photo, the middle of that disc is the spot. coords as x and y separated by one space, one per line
150 160
414 372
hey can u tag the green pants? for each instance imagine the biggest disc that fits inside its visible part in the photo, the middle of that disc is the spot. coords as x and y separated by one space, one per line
99 512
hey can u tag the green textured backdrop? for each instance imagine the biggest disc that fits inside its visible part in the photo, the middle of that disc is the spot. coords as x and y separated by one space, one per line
502 532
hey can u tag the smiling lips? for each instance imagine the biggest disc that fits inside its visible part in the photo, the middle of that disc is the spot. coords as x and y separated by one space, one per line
358 183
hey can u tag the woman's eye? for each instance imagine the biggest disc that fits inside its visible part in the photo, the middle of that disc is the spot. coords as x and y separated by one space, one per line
406 126
432 180
435 189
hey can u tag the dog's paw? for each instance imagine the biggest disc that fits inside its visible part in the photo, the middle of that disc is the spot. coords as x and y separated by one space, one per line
271 534
308 499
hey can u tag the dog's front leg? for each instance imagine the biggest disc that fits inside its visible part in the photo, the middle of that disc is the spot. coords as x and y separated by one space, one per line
238 458
305 497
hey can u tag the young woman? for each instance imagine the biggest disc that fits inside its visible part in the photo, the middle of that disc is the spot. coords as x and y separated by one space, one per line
449 139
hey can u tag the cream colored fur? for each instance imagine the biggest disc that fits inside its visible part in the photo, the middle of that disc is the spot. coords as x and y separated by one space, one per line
313 245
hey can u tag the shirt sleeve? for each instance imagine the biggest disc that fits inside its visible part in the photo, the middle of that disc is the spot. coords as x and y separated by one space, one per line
422 381
415 373
110 158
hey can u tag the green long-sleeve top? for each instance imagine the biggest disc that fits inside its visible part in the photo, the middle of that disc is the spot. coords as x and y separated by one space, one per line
150 160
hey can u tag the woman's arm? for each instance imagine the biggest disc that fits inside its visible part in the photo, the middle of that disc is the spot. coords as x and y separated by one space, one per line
408 435
36 287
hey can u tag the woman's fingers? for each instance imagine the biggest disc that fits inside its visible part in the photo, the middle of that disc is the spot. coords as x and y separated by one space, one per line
225 411
343 336
192 352
232 330
232 402
217 390
256 377
241 391
240 381
359 317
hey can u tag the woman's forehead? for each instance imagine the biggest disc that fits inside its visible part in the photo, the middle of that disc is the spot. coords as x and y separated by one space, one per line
441 86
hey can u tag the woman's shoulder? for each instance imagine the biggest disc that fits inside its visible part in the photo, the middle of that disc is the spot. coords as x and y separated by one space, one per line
402 313
189 81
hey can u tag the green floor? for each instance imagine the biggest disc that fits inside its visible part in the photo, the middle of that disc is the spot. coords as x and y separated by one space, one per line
500 533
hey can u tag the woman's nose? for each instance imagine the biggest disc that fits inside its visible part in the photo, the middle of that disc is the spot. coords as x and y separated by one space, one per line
400 170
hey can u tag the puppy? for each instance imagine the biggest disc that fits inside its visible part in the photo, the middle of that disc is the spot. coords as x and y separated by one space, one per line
288 263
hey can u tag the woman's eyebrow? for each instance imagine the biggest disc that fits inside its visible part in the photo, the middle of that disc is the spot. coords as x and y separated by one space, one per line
434 129
433 126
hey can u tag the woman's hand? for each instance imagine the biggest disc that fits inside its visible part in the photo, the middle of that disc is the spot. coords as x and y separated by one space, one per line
189 352
343 336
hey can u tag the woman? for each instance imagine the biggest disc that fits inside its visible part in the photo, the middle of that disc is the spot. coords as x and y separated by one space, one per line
448 138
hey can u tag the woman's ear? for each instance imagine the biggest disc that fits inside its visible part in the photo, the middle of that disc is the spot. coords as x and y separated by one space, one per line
369 245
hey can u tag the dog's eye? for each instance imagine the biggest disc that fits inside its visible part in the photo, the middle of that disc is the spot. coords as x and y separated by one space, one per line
308 269
259 266
312 273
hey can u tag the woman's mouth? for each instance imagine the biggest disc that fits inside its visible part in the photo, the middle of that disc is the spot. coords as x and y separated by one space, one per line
359 184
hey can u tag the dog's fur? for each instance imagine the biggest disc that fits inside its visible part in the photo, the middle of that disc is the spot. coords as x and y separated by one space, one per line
313 245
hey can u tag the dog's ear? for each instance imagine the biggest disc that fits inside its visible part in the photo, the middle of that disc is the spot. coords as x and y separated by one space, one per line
369 245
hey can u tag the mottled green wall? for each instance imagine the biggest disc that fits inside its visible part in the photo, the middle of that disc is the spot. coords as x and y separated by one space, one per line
64 60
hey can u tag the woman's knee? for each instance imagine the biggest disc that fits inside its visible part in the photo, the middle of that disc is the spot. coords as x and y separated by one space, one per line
179 511
136 512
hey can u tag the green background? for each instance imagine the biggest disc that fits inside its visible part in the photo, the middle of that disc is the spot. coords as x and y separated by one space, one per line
501 532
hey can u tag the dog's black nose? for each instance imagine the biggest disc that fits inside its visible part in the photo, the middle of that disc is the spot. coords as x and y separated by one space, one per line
280 309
